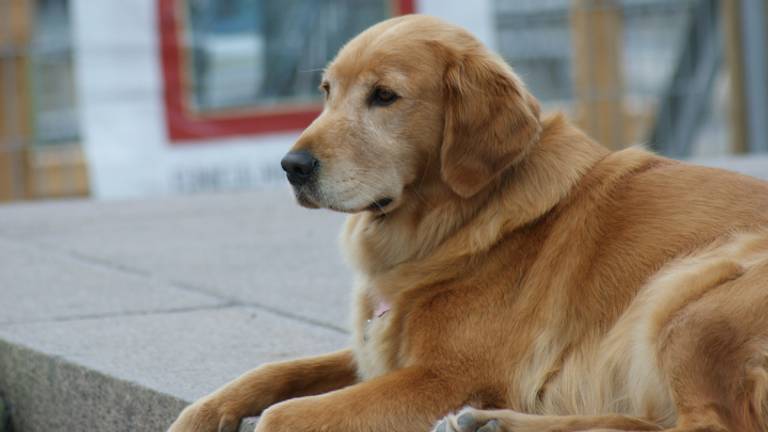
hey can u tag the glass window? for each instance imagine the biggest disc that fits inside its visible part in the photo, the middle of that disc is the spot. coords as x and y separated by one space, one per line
52 74
260 53
242 67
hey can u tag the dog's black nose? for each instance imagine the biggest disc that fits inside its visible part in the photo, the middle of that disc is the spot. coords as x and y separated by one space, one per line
299 166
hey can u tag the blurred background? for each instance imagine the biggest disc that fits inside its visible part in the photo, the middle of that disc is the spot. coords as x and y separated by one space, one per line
138 98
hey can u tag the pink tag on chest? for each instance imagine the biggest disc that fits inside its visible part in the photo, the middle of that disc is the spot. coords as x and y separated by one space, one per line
381 309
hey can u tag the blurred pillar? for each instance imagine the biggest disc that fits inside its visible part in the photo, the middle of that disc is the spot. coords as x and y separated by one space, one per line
754 38
746 38
734 54
15 107
596 30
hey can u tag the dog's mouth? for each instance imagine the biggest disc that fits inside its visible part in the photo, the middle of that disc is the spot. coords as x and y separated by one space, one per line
380 206
304 199
307 198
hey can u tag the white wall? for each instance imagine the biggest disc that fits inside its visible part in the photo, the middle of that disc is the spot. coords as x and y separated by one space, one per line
476 16
122 114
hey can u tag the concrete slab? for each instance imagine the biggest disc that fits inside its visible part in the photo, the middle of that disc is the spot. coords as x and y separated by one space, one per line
250 248
114 315
136 372
36 285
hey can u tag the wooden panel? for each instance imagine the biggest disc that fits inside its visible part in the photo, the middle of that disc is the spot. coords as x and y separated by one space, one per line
596 30
15 108
7 182
58 171
15 91
15 28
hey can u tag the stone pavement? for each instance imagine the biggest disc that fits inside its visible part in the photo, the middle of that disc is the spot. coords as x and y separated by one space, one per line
114 315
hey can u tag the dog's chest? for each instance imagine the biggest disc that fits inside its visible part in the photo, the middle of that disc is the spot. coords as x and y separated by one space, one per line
375 348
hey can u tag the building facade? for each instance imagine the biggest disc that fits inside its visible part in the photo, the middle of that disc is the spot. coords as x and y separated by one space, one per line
136 98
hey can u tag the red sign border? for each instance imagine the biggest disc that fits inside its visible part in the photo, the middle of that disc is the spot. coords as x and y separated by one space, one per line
184 126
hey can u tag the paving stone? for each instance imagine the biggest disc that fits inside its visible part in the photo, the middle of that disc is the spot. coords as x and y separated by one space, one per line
249 247
36 285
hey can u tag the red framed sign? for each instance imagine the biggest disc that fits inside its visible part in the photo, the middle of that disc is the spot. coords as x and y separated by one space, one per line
186 123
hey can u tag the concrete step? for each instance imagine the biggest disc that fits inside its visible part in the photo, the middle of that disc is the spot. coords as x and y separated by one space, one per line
4 417
113 316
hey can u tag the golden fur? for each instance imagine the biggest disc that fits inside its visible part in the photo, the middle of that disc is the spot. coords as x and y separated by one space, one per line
532 276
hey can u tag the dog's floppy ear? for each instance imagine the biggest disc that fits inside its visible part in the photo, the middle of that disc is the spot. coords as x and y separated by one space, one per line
491 121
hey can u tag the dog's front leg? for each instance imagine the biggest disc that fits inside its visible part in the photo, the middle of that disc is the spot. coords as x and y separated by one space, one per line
409 399
256 390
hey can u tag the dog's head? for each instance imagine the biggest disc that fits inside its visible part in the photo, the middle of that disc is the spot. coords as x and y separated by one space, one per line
411 100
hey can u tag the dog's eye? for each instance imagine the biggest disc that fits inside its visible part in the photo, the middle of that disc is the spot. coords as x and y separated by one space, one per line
383 96
325 88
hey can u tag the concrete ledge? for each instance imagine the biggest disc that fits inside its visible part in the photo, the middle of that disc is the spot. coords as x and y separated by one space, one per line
136 373
4 417
53 394
116 315
49 393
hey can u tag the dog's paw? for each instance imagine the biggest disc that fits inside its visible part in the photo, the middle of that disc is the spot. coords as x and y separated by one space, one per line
468 420
293 415
205 416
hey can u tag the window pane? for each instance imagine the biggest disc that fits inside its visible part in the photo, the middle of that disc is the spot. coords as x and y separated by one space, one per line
246 53
52 74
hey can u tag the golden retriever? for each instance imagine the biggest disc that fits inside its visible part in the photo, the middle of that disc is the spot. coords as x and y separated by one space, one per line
510 266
